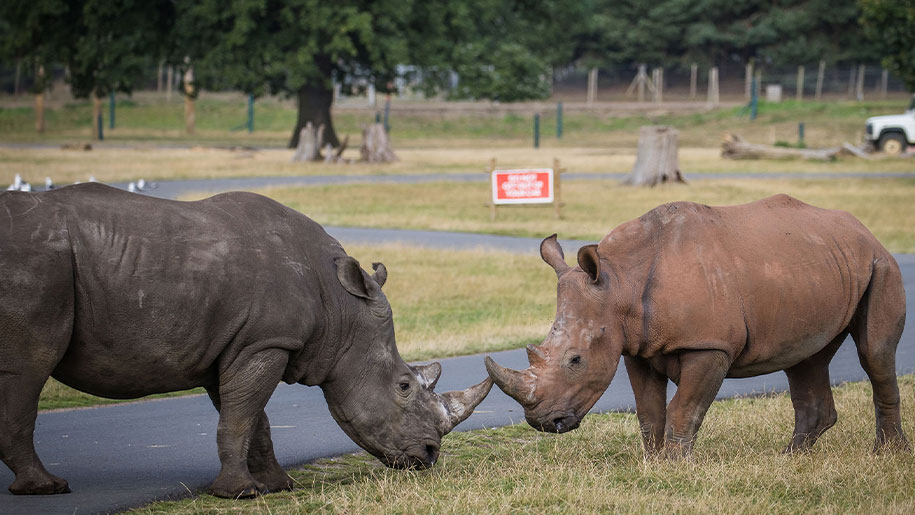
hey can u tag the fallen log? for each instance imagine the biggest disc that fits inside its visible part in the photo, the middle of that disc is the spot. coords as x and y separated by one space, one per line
734 147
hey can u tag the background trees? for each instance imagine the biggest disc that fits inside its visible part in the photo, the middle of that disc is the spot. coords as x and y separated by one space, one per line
504 50
890 24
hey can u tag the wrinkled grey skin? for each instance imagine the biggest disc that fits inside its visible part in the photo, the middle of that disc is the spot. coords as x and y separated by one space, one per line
121 295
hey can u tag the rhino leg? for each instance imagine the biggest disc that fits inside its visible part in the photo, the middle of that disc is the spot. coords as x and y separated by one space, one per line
701 375
876 328
244 389
811 396
650 389
18 411
262 461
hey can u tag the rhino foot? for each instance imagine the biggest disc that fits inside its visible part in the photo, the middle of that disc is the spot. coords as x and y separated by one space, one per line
45 484
275 481
237 489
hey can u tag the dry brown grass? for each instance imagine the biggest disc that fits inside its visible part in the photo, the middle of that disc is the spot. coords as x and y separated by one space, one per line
111 164
737 467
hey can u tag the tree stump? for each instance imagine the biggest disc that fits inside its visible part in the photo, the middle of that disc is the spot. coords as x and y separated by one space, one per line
376 147
657 159
309 147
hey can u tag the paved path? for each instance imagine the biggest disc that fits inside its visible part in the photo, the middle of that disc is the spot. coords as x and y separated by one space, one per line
126 455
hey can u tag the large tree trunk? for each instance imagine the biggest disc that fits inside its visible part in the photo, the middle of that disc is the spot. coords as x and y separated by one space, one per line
314 107
657 159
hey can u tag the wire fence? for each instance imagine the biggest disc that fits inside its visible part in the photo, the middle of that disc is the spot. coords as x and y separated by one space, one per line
867 81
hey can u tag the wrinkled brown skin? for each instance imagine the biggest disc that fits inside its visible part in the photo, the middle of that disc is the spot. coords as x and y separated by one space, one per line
694 294
122 295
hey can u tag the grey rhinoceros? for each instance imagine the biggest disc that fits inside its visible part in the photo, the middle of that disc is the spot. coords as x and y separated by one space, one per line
122 295
694 294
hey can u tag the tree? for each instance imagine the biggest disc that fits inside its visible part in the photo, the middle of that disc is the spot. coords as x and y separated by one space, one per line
890 24
304 48
103 44
296 47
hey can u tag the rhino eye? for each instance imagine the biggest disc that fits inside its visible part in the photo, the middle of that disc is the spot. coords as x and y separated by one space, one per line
404 386
575 361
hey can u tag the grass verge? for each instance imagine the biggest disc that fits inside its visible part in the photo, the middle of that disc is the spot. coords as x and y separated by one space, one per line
445 303
737 467
113 163
593 208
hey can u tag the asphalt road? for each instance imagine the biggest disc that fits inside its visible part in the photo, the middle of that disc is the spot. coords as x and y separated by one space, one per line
126 455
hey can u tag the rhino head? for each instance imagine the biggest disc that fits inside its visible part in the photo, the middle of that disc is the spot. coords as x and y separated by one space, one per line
575 363
385 405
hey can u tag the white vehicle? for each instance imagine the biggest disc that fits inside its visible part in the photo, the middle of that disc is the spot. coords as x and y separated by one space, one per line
893 133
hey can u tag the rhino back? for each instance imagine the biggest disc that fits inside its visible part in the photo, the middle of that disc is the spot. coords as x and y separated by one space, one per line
760 280
167 291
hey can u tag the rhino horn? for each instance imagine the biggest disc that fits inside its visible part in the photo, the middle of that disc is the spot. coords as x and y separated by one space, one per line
512 382
460 404
428 374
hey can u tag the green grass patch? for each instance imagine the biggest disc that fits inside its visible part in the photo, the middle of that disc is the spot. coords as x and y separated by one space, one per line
737 467
147 117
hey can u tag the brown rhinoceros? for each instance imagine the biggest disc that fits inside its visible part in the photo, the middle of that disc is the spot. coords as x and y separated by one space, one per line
122 295
694 294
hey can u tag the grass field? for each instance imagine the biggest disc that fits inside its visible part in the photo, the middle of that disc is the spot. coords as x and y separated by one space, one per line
113 164
737 467
885 206
147 118
445 303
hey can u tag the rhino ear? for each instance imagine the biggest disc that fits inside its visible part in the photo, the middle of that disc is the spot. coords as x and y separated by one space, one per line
380 275
551 252
353 279
589 261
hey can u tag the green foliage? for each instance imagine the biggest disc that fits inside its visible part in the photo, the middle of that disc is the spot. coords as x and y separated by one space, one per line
670 32
890 24
103 44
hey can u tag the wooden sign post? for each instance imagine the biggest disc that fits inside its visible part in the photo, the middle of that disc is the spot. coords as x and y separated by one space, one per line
527 186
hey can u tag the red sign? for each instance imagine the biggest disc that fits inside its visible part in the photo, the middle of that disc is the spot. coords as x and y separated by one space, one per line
522 186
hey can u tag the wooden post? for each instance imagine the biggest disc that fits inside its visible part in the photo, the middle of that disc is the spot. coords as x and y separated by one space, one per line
492 205
859 85
748 79
884 78
189 109
713 86
592 85
693 79
39 102
159 77
169 81
557 199
820 73
657 77
851 82
800 83
641 78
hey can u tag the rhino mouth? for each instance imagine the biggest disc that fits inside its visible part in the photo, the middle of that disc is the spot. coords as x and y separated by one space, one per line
560 423
418 457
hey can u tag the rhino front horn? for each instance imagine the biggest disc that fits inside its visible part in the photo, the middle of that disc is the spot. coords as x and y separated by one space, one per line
512 382
459 404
